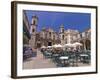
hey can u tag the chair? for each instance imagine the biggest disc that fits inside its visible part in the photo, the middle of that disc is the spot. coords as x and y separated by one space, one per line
72 59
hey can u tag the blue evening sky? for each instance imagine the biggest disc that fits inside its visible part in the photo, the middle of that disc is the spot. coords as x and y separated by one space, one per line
70 20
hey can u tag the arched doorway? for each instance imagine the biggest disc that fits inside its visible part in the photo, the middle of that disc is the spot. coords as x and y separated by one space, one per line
88 44
82 47
49 43
38 44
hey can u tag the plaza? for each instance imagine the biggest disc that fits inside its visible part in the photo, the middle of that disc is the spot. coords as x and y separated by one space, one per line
65 48
48 61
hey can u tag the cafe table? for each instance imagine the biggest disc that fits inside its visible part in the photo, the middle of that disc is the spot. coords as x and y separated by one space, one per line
84 57
64 59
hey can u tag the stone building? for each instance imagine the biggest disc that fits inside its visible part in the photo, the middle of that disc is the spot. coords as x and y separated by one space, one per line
33 31
49 37
26 29
68 36
86 39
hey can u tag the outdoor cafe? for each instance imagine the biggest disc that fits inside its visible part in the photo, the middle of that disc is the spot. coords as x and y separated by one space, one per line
66 55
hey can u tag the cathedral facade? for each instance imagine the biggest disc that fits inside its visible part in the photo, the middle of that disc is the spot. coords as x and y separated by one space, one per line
49 37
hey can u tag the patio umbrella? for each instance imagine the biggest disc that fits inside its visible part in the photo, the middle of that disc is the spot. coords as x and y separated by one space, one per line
43 47
77 44
54 45
57 46
69 45
49 47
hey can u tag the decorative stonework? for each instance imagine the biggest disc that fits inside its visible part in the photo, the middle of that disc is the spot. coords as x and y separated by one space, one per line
48 37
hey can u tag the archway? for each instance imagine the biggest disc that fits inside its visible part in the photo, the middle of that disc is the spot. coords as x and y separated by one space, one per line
82 47
49 43
88 44
38 45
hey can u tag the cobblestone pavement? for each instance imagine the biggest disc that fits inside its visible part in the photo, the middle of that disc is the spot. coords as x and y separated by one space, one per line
38 62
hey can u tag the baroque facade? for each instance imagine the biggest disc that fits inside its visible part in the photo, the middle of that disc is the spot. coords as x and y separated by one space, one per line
48 37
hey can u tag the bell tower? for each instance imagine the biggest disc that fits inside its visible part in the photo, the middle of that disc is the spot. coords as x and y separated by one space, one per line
61 29
33 24
33 30
62 37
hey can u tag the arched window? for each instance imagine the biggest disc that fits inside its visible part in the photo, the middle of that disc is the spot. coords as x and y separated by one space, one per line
63 37
63 30
50 34
53 36
34 22
33 30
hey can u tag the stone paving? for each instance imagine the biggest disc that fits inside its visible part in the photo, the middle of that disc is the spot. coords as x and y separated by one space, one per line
40 62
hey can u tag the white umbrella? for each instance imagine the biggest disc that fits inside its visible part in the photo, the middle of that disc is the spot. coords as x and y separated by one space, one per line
54 45
49 47
43 47
69 45
77 44
57 46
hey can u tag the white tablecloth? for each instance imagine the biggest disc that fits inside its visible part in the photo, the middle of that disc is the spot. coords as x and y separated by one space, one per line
84 55
64 57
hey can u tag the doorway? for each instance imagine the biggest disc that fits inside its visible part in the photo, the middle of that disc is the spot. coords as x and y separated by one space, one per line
38 45
49 43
